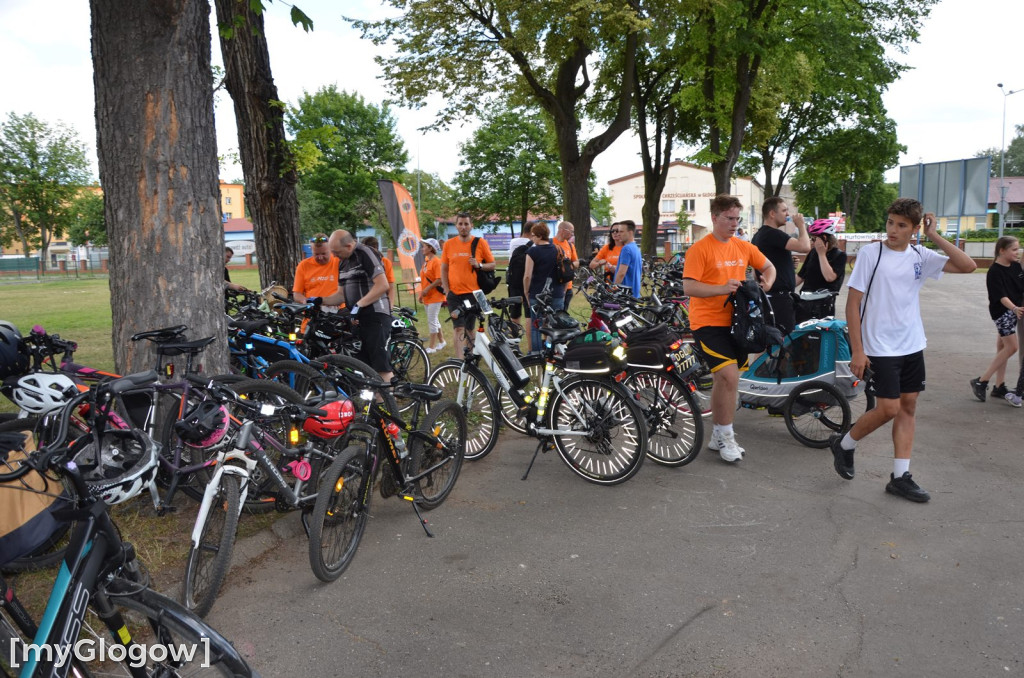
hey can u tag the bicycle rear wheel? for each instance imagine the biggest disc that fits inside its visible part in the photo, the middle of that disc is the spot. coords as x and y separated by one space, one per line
816 411
675 426
209 561
604 436
340 513
309 383
479 402
447 422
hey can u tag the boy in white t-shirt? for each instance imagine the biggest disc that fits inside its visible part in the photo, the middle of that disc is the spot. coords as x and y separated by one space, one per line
883 315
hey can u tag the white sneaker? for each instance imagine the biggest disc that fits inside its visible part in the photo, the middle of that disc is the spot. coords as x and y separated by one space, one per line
726 445
1014 399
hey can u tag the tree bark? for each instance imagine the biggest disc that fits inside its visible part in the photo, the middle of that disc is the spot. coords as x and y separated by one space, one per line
267 163
157 155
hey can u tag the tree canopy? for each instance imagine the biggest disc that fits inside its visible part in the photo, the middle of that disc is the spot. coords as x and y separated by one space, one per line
1014 156
42 168
567 57
508 168
354 143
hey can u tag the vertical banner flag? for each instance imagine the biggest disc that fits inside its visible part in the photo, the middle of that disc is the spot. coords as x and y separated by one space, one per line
405 227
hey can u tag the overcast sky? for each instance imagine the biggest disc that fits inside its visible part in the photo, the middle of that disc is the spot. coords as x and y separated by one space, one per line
947 107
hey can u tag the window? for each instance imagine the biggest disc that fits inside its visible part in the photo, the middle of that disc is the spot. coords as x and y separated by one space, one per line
689 205
227 215
227 200
668 206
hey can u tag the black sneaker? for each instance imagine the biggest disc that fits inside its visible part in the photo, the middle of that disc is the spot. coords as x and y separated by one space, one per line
905 487
1000 391
979 387
842 456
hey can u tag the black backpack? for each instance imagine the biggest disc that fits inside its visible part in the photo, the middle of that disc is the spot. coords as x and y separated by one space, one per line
564 272
753 321
517 266
485 279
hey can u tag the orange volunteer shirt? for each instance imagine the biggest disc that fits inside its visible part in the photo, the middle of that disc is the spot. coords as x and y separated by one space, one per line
314 280
431 272
715 263
569 252
609 255
461 276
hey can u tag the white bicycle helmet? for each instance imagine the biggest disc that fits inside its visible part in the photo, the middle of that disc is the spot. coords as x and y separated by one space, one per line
124 465
822 227
41 392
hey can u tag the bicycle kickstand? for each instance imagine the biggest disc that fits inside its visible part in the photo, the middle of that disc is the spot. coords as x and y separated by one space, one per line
544 445
423 521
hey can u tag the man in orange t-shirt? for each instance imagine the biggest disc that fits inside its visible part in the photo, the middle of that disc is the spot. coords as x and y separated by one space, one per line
316 276
715 267
561 241
458 275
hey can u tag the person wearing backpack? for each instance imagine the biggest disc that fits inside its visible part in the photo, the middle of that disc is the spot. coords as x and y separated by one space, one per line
883 316
541 263
459 267
516 268
715 267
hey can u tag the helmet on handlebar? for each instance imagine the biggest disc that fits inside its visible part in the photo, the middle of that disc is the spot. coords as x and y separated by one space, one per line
340 414
205 426
40 393
121 467
822 227
561 320
14 355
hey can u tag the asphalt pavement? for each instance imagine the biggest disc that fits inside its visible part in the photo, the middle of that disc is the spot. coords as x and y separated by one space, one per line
774 566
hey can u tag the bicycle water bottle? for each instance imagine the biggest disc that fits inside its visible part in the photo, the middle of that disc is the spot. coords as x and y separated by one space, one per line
396 436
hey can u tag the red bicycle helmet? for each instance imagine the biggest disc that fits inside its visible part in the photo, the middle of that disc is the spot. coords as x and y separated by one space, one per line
822 227
340 414
205 426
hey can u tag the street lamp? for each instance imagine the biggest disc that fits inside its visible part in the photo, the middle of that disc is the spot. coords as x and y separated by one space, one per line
1003 206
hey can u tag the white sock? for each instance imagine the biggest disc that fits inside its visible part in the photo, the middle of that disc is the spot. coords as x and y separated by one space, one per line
848 443
724 429
899 467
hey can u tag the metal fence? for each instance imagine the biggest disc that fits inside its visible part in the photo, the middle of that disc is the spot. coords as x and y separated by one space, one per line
24 268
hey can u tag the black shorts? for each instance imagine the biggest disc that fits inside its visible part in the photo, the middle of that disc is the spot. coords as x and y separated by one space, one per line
719 348
374 330
784 309
892 376
516 311
457 310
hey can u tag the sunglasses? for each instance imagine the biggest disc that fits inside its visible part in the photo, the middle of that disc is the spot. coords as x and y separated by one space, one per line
318 240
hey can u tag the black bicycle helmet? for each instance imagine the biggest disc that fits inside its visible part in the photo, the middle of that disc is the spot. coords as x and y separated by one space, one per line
14 355
204 426
561 320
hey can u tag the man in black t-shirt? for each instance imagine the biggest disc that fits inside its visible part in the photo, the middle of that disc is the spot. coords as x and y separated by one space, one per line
363 287
778 246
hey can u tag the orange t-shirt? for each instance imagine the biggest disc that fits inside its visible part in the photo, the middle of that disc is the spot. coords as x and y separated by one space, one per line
568 251
714 262
314 280
389 268
609 255
461 276
431 271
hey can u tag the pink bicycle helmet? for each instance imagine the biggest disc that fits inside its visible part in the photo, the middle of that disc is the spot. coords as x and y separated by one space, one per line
822 227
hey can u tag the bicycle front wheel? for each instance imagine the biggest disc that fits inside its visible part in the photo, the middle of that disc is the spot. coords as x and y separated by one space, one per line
447 423
340 513
208 562
602 435
675 427
816 411
478 401
141 617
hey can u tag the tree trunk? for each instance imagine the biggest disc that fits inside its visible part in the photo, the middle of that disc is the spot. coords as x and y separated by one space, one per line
267 163
157 155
